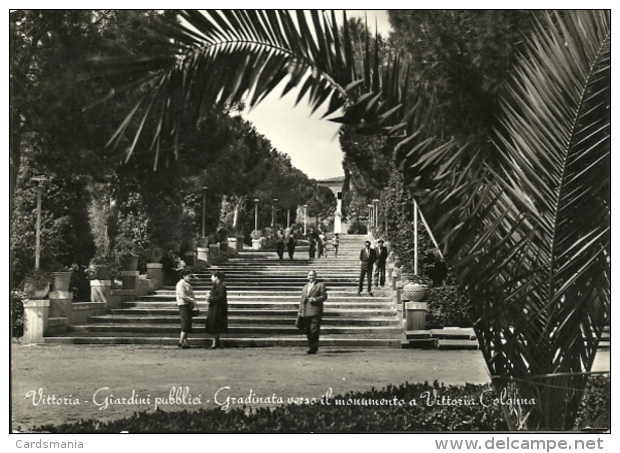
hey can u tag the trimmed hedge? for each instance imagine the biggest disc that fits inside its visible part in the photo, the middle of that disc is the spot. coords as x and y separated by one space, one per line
425 416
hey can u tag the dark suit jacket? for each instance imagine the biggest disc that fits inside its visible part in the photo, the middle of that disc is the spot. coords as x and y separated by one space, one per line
382 255
307 308
366 258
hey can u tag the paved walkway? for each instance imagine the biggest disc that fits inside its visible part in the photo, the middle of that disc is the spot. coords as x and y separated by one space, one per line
150 374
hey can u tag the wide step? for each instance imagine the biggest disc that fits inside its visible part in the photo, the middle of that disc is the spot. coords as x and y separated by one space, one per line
263 300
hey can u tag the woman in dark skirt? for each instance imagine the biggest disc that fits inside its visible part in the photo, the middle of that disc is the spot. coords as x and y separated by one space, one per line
217 316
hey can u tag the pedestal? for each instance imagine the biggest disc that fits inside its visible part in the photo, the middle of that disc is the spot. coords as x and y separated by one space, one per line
61 303
337 222
100 290
130 279
415 315
214 253
36 314
232 246
189 258
155 272
202 254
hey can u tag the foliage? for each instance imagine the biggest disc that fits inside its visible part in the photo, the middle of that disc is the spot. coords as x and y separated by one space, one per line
523 207
38 280
446 308
332 418
17 313
595 410
65 235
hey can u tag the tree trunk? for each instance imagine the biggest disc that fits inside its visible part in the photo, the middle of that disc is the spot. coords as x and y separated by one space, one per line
116 199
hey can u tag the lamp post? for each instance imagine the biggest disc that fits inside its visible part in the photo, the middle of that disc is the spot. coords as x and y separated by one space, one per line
273 213
204 209
288 218
375 209
305 217
255 214
37 248
369 217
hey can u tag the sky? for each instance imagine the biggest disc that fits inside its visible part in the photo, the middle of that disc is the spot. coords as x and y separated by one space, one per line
311 142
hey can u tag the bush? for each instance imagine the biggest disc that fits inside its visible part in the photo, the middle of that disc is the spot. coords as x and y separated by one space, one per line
595 411
446 308
17 313
426 415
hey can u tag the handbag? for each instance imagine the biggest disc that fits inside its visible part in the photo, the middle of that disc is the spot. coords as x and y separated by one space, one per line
195 309
300 323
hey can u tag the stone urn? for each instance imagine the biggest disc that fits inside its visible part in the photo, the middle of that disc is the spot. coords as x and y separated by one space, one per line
35 292
61 281
36 286
130 263
414 292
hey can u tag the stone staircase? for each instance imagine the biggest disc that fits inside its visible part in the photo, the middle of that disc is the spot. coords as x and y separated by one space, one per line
263 298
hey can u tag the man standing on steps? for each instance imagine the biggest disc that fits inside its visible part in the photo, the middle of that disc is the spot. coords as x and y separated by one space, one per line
367 258
311 310
382 254
280 243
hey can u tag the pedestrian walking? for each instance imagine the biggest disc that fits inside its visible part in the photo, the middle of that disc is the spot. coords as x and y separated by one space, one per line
336 244
382 255
367 259
280 238
310 312
187 304
321 243
291 243
217 314
311 247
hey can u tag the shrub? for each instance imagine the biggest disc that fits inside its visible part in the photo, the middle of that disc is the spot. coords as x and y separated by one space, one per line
595 411
339 418
17 313
446 308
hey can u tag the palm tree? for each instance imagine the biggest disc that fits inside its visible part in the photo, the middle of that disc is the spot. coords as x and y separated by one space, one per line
528 237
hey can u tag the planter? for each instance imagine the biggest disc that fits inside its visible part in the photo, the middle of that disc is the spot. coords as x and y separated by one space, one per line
256 244
155 255
35 290
131 263
102 272
414 292
61 281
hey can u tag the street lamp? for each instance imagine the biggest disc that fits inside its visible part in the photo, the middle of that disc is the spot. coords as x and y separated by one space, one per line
375 208
37 249
369 217
305 217
204 209
273 213
255 214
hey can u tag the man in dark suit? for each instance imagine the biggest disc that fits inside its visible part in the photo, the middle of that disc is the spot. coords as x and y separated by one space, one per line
367 259
311 310
382 254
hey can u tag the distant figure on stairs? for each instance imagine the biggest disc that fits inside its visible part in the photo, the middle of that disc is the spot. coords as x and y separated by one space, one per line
310 312
280 237
311 245
291 243
321 244
336 244
367 259
382 254
217 315
169 267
